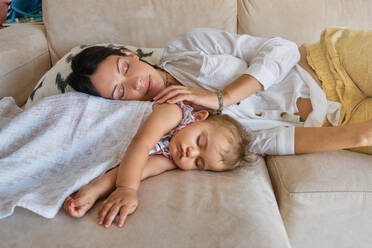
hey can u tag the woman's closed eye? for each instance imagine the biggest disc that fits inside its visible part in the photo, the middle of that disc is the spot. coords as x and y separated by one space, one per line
119 91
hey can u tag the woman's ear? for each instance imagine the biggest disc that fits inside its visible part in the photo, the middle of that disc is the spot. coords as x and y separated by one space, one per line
128 53
201 115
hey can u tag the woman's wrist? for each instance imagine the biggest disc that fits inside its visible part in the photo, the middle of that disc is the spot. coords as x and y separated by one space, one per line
220 101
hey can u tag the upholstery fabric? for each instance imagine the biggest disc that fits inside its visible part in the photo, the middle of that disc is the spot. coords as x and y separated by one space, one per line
141 23
301 21
325 198
25 51
176 209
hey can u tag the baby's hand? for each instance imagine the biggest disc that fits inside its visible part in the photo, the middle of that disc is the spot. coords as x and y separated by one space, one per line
122 201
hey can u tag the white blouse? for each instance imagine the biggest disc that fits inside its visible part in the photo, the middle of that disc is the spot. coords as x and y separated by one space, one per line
212 59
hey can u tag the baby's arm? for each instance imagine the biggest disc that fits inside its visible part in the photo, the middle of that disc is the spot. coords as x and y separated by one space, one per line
81 201
123 200
156 165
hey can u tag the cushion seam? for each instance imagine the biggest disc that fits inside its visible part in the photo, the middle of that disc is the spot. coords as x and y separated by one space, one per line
280 176
327 192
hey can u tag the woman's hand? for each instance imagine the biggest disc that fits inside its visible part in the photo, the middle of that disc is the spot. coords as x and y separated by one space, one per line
122 201
200 97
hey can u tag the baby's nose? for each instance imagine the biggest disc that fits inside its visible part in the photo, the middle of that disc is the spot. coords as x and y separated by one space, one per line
192 152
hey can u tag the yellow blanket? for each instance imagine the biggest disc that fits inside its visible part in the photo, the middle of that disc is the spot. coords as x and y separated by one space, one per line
342 59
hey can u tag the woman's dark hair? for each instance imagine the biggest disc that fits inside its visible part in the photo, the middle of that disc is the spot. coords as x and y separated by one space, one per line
85 64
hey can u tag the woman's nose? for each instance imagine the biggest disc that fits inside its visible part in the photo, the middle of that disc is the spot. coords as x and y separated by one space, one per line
191 152
138 83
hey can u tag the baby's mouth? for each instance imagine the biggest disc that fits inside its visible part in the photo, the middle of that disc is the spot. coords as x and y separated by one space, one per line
180 152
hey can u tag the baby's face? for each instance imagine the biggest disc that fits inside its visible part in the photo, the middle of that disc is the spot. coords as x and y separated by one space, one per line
199 146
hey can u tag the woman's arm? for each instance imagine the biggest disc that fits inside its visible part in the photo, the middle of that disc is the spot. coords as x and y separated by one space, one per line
268 60
124 200
320 139
238 90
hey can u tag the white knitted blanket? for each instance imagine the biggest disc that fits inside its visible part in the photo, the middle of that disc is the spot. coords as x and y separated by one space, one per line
49 151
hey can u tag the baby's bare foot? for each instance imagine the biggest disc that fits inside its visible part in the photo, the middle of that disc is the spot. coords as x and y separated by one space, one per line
81 201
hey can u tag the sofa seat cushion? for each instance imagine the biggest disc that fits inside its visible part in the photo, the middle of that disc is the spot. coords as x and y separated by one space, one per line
324 195
176 209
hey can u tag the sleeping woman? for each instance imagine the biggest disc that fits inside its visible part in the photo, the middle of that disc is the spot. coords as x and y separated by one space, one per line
265 84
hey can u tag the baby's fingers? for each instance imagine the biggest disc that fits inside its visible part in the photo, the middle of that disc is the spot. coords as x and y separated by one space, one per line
103 212
124 212
111 215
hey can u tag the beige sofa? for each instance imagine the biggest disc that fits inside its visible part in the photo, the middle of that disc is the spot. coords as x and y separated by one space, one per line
316 200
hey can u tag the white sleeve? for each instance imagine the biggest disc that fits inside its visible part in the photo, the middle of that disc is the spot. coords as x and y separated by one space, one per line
275 141
269 60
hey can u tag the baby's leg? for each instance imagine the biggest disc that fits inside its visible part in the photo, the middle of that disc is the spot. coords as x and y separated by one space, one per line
81 201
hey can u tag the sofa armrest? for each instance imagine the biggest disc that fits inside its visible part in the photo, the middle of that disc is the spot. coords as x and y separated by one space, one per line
24 57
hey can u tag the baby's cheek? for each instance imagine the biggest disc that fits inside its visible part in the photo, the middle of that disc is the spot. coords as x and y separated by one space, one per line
181 164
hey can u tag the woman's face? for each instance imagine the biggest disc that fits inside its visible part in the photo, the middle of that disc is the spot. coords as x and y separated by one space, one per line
127 78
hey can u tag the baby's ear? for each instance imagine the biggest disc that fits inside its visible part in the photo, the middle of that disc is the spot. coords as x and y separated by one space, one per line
201 115
129 53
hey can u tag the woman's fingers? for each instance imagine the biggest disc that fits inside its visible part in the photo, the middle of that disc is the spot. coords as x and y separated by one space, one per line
166 91
181 97
195 96
170 94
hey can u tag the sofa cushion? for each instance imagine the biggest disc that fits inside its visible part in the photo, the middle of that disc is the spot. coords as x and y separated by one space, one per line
325 198
176 209
301 21
24 59
53 81
139 23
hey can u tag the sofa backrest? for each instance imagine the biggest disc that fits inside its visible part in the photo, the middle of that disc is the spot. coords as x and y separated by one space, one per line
141 23
301 20
146 23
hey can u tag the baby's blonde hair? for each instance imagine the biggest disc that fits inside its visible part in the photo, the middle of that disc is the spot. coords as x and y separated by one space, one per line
239 139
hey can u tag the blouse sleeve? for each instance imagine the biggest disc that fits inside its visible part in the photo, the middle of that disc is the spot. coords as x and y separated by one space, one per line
269 60
275 141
